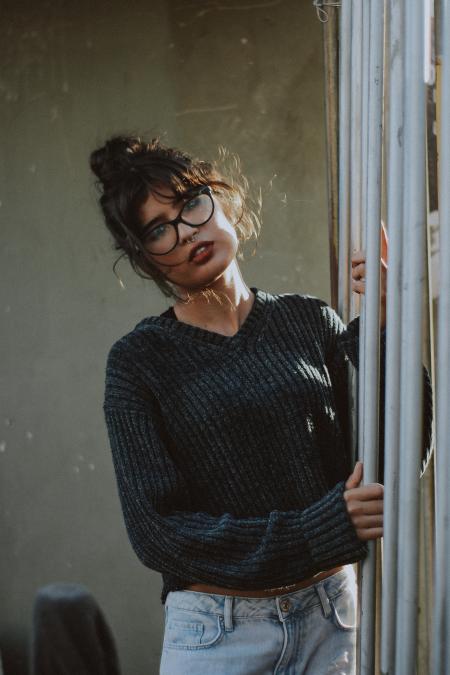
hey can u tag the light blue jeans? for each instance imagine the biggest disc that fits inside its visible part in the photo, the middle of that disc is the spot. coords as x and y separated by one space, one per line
311 631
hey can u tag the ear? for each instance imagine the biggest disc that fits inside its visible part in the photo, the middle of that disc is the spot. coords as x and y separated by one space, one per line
384 243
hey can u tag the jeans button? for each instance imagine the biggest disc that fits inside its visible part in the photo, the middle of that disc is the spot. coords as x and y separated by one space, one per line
285 604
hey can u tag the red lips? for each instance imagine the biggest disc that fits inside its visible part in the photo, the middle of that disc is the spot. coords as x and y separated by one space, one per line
207 244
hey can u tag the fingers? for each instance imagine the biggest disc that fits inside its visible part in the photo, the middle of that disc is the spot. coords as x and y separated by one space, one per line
359 276
365 505
368 526
358 257
359 271
371 491
370 508
368 522
359 286
356 477
367 535
359 262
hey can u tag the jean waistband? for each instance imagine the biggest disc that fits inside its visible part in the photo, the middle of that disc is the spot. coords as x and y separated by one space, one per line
270 607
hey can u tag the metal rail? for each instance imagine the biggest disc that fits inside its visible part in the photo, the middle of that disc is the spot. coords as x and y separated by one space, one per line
394 192
414 228
370 368
441 621
385 39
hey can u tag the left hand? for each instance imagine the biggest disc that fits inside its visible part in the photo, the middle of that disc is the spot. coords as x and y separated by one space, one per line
359 273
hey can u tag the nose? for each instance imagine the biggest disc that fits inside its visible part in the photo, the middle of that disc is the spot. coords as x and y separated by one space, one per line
186 232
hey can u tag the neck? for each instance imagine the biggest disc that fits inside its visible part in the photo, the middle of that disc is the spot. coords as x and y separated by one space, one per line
222 306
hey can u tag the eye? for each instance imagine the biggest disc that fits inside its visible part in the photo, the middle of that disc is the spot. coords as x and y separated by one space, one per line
156 232
192 203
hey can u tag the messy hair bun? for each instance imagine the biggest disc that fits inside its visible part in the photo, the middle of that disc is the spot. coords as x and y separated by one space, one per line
128 167
113 160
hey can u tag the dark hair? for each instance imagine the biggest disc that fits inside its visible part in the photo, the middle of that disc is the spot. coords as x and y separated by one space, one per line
128 167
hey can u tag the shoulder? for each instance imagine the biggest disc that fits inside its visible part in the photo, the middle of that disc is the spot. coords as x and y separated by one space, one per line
305 305
296 299
134 360
316 315
135 346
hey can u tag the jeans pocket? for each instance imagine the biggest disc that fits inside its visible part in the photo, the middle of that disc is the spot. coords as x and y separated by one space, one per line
186 629
343 606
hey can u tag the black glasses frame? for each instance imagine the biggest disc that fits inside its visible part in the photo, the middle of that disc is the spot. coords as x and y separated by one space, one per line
176 221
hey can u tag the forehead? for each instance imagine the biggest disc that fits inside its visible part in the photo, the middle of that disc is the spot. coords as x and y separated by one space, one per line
159 199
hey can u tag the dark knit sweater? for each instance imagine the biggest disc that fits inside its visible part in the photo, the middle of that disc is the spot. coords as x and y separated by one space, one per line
231 453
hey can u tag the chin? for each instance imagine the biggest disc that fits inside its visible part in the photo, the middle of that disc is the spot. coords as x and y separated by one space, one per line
205 276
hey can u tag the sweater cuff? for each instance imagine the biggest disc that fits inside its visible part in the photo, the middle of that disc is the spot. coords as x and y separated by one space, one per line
329 531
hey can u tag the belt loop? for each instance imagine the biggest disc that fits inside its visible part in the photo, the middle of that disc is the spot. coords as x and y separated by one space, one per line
228 612
323 597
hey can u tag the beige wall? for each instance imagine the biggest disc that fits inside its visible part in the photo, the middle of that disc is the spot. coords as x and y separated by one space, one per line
244 75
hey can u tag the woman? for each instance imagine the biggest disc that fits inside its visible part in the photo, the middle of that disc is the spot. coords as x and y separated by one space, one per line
226 418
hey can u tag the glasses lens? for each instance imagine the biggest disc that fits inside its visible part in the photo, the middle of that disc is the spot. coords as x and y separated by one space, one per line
197 210
161 238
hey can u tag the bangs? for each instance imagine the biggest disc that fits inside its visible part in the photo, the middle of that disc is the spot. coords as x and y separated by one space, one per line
178 176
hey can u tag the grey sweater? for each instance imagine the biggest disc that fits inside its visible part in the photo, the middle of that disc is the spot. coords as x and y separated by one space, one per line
231 453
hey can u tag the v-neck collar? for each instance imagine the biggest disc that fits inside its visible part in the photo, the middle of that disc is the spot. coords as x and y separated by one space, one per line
248 332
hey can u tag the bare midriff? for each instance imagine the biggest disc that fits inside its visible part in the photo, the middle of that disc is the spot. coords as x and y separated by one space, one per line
266 592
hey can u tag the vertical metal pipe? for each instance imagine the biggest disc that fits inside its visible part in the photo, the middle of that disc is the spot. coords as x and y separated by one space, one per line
365 74
361 244
356 213
371 333
414 228
357 382
330 54
344 266
444 340
345 30
355 143
356 219
394 192
441 655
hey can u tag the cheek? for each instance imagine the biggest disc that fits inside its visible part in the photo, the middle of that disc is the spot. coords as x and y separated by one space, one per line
225 228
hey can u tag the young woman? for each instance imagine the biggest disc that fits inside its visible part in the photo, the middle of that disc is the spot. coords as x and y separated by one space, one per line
226 417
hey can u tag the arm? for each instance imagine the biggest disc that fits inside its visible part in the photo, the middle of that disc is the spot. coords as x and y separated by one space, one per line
342 346
267 551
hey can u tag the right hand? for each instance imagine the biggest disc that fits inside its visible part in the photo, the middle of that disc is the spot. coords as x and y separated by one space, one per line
364 505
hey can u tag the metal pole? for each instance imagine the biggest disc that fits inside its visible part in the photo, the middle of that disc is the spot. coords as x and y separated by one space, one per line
330 53
394 190
365 76
355 143
441 655
365 107
414 224
357 379
371 333
345 29
356 215
344 266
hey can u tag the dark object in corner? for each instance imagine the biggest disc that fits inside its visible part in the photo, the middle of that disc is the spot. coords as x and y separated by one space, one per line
70 634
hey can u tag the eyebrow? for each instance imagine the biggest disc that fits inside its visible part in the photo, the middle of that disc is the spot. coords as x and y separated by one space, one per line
160 218
154 220
145 226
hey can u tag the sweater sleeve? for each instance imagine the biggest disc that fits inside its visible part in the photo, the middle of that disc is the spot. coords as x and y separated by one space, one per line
342 345
256 552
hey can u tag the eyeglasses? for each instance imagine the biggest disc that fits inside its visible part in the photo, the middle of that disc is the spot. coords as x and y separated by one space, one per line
163 238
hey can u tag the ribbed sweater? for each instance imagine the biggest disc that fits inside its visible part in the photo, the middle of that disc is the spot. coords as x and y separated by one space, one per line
231 453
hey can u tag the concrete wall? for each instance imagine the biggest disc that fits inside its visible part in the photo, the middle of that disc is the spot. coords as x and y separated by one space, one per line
246 75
